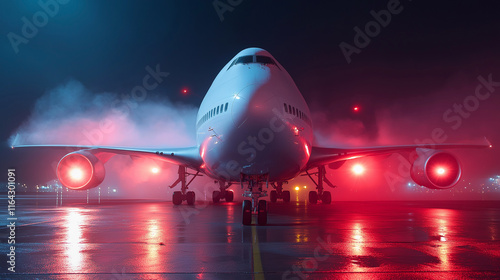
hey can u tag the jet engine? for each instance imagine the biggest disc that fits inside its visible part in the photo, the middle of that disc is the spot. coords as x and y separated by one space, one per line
80 171
436 170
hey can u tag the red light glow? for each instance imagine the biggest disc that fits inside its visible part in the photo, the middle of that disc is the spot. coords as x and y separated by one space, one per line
76 174
184 91
155 170
355 109
358 169
440 171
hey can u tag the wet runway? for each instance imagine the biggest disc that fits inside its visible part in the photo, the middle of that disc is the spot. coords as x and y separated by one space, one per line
345 240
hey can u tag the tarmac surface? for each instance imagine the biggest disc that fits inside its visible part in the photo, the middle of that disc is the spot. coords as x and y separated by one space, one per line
129 239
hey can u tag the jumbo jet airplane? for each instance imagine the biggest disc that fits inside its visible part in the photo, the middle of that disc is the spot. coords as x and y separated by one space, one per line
254 128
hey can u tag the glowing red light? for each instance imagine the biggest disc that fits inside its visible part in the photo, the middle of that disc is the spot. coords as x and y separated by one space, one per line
76 174
358 169
155 170
440 171
355 109
184 91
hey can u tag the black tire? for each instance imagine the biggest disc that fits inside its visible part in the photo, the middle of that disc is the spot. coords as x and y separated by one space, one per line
262 213
190 198
313 197
177 198
216 196
229 196
327 197
273 196
247 212
286 196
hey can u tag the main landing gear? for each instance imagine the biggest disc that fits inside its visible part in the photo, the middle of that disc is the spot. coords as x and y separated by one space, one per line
184 195
324 196
254 191
279 193
223 193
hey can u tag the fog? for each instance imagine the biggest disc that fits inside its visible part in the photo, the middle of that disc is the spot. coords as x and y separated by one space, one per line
70 114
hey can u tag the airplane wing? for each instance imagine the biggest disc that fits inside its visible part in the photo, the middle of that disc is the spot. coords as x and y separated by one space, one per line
188 156
321 156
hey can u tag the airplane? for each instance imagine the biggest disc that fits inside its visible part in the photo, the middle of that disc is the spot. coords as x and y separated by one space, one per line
254 128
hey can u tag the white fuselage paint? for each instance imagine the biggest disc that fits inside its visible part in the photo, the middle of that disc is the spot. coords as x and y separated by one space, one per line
255 135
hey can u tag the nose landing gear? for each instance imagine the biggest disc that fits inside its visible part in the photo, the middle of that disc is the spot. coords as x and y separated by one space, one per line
254 191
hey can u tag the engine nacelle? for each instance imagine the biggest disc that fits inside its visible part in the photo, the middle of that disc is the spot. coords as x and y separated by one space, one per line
436 170
80 171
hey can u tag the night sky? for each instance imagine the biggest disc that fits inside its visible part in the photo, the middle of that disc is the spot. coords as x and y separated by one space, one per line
425 60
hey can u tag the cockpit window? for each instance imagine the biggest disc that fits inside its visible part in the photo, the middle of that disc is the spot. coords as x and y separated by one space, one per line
265 60
244 59
250 59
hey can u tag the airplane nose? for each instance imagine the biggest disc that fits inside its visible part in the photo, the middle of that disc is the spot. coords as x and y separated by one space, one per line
250 102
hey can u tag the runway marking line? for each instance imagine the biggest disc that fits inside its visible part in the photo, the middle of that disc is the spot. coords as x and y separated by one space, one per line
258 272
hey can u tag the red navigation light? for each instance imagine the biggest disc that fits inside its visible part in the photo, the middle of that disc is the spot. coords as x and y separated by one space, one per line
355 109
184 91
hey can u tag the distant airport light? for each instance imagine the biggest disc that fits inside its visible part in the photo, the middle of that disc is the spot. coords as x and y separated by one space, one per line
358 169
155 170
76 174
305 187
297 188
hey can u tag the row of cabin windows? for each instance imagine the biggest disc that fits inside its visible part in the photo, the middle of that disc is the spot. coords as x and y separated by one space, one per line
214 112
296 112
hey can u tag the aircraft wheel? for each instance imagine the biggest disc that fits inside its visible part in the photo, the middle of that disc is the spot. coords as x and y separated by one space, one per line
286 196
190 197
247 212
313 197
327 197
262 213
273 196
177 198
216 196
229 196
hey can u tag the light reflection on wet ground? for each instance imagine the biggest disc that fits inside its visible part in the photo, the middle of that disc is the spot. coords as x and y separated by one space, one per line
156 240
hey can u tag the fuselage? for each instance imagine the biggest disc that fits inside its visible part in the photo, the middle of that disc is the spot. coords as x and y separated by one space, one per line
254 121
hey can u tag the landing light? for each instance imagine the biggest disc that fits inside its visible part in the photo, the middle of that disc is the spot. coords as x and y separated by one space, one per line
358 169
297 188
155 170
